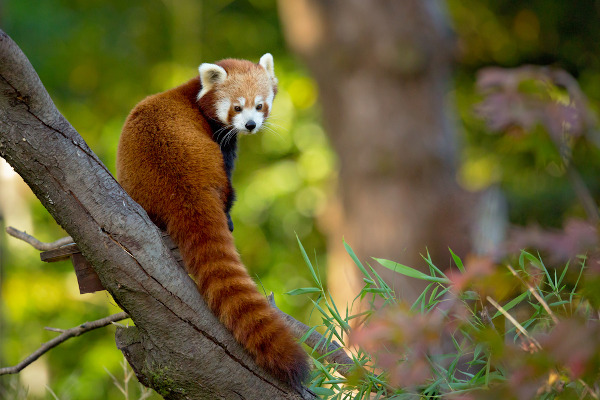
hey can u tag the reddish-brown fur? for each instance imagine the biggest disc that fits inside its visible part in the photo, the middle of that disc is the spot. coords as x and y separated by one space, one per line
169 163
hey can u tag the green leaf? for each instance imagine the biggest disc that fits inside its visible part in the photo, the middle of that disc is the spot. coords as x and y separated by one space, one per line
432 265
381 283
410 272
374 290
308 263
322 368
307 334
421 299
368 312
512 303
543 267
433 293
564 272
356 260
298 291
335 381
321 391
318 307
338 318
531 258
457 261
573 291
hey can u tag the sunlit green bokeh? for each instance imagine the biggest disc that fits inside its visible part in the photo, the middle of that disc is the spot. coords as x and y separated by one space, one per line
99 58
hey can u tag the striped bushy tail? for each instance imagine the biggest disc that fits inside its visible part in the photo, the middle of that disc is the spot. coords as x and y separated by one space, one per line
211 258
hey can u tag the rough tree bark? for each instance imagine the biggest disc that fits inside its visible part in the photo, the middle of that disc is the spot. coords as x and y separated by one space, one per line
177 346
383 70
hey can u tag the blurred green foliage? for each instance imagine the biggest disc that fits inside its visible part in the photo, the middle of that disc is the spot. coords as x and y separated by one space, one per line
482 331
508 33
99 58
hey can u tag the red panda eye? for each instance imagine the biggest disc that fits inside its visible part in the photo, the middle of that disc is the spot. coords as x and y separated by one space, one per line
259 107
237 108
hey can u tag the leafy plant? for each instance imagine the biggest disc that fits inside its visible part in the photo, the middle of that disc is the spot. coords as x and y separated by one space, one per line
480 331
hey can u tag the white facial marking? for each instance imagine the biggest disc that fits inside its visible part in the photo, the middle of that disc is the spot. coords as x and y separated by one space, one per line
238 122
248 114
259 118
241 101
222 108
257 100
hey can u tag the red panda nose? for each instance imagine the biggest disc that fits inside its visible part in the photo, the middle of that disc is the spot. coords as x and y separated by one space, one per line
250 125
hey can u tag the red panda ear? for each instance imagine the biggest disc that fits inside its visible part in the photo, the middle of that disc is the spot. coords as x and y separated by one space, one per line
210 75
266 61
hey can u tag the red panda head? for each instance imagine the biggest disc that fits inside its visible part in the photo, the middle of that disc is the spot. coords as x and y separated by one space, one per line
238 93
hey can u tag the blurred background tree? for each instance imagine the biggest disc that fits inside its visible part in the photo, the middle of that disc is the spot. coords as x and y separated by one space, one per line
383 73
99 58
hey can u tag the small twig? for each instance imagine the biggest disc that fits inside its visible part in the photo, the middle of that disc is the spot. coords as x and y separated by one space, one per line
42 246
54 329
67 334
588 389
485 317
334 353
535 294
514 322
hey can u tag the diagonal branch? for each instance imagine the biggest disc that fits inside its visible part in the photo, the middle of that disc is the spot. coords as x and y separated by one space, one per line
177 345
65 335
333 353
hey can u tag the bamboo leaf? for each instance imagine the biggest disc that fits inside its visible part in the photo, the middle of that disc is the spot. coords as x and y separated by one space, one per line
410 272
457 261
307 334
512 303
321 391
308 263
356 260
299 291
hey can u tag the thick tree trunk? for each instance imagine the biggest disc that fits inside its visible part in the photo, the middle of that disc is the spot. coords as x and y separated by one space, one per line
177 346
383 70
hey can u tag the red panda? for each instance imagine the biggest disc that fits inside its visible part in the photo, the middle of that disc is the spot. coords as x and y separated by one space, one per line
175 158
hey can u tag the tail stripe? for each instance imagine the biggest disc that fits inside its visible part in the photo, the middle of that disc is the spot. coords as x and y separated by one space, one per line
234 298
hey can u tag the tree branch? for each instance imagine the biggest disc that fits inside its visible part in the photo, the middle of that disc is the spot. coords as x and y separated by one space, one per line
42 246
65 335
177 345
333 353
